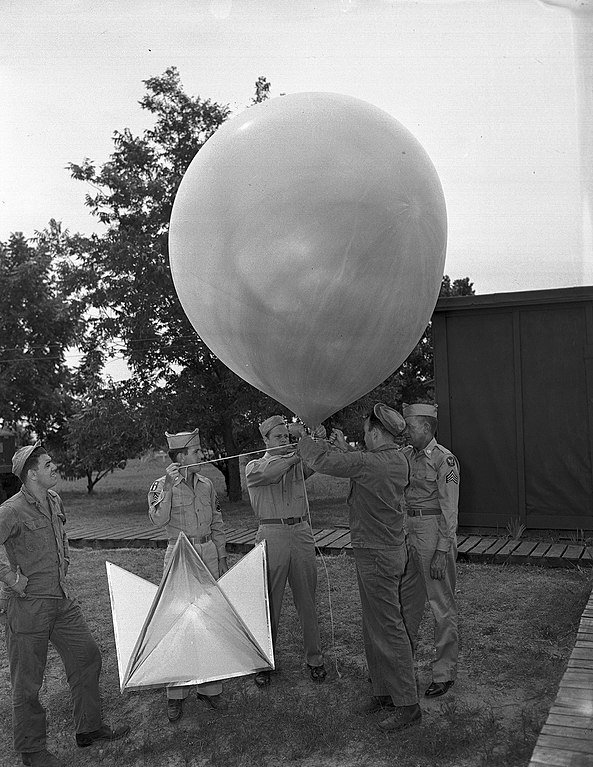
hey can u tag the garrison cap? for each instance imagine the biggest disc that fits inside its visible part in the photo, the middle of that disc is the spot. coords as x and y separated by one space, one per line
390 418
266 427
20 457
420 408
183 439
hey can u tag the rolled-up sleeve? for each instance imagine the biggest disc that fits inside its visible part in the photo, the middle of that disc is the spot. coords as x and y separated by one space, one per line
448 492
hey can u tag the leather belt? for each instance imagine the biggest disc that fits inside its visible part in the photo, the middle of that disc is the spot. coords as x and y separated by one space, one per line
422 512
285 521
194 539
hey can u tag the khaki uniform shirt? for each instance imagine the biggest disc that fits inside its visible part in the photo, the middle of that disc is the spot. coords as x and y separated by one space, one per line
191 509
276 487
434 484
377 481
35 539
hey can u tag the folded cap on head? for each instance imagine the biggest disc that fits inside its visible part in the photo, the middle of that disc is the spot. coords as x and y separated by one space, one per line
390 418
266 427
183 439
20 458
420 408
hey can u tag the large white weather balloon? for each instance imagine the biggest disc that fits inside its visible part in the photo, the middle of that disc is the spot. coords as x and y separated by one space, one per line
307 246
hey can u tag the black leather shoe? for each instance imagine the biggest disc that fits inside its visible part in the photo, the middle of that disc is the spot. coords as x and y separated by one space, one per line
438 688
174 709
84 739
318 673
42 758
262 678
217 702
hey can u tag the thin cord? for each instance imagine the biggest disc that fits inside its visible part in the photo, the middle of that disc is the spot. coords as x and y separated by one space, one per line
329 598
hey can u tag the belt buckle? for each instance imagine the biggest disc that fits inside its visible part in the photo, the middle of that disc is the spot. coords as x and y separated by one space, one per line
289 521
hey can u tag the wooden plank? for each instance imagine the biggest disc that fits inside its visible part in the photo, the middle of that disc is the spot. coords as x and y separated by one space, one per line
553 556
239 533
550 757
540 550
579 745
247 537
469 543
334 536
580 663
580 733
320 536
522 552
498 544
503 553
477 553
581 653
573 553
340 543
570 721
460 539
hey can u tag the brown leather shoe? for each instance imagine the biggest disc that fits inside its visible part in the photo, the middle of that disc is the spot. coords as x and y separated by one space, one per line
403 716
174 709
84 739
438 688
42 758
217 702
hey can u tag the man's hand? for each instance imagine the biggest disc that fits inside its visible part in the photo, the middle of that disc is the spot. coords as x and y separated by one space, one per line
173 475
338 439
437 565
319 432
296 431
20 582
222 566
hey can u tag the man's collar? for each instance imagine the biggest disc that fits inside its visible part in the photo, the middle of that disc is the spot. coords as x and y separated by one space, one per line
428 449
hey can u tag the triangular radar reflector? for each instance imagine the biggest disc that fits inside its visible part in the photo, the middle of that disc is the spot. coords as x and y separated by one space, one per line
192 633
131 600
244 584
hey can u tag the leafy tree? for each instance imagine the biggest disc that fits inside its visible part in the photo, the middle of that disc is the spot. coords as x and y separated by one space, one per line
127 280
104 432
39 320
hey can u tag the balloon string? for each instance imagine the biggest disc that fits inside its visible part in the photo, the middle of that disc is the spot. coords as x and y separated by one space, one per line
239 455
329 598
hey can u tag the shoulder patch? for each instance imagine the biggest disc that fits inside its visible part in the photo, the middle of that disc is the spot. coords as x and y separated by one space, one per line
452 476
450 460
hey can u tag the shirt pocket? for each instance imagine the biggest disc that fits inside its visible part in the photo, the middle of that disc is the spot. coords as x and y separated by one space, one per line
35 533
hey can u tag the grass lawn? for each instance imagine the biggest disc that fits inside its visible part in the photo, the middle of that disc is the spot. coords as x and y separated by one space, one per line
518 627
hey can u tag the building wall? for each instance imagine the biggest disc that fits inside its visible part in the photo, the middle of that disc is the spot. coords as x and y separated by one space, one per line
514 384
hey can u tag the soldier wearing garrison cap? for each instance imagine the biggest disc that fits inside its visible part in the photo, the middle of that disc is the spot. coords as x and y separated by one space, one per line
276 489
378 477
40 610
185 501
430 502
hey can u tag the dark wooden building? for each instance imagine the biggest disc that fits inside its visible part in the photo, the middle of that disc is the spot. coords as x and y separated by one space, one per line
514 385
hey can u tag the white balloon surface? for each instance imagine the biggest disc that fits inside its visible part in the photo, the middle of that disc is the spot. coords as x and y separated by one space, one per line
307 247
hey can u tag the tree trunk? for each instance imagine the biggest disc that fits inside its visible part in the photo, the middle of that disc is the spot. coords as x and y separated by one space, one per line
233 476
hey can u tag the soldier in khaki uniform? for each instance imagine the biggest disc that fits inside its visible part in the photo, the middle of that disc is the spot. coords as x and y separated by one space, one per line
185 501
276 489
430 501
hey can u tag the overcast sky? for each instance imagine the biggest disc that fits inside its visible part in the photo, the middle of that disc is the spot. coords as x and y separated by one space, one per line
487 86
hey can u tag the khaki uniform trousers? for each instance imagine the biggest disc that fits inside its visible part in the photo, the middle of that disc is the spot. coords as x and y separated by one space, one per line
417 586
31 624
209 555
291 557
386 644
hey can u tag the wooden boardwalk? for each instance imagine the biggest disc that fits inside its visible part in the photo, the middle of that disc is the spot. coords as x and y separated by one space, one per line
336 540
566 739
